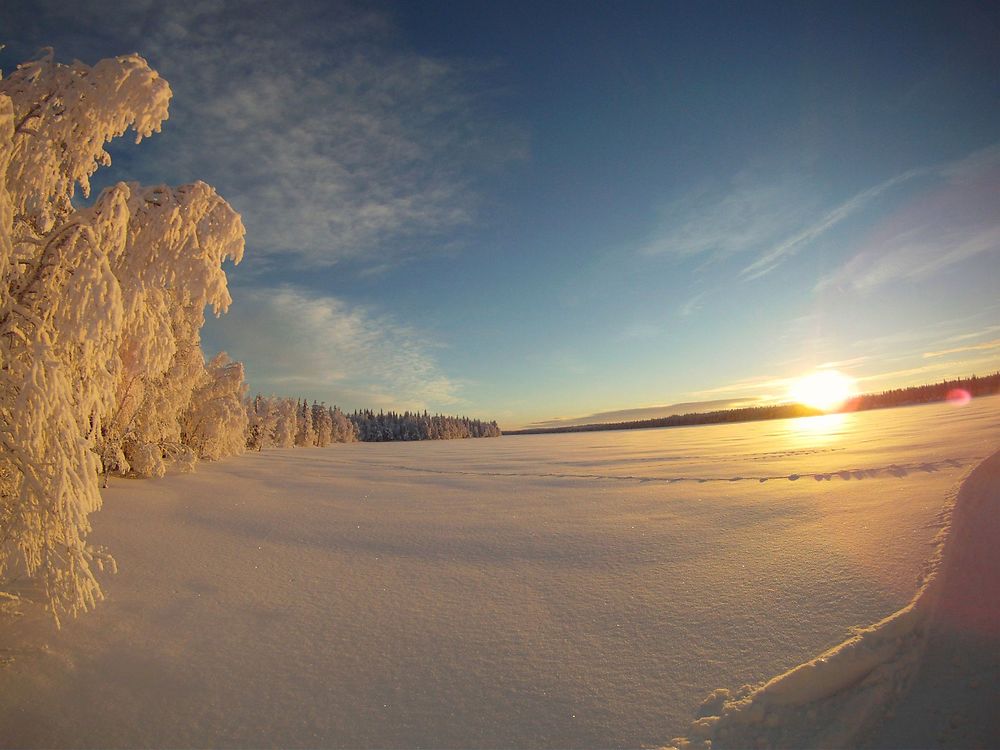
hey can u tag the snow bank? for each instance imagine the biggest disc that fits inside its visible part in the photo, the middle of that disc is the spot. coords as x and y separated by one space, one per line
832 699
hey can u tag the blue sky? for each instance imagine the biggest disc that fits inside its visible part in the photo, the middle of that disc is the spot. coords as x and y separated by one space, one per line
547 211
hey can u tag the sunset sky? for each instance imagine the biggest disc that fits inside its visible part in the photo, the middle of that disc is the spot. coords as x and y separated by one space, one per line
538 212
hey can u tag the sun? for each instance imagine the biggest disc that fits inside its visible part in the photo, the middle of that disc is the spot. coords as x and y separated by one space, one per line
826 390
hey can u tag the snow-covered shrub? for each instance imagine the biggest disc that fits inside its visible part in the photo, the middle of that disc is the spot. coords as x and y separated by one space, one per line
100 311
146 459
215 424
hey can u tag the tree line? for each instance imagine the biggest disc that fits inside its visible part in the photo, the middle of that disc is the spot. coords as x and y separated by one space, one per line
925 394
386 426
919 394
285 423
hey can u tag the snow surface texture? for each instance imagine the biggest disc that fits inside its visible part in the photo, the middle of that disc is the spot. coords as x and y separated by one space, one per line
581 590
863 690
953 700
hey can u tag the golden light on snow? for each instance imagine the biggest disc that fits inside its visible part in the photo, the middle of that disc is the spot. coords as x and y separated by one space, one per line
826 390
818 430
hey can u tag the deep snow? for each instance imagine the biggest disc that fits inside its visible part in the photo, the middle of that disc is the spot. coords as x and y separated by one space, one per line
925 676
536 591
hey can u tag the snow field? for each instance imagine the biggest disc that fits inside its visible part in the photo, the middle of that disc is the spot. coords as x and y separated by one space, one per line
918 678
537 591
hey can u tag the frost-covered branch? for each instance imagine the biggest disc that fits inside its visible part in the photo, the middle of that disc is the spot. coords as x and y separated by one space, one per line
100 313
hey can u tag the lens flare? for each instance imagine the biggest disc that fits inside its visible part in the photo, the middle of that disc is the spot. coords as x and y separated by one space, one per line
958 397
826 390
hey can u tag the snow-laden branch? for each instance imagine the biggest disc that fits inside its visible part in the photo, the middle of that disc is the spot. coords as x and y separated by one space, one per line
100 313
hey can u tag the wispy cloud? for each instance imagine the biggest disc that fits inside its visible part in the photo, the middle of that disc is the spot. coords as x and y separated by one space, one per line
332 138
920 374
923 338
916 253
954 223
297 342
724 220
776 218
764 387
693 305
995 344
968 336
792 245
843 363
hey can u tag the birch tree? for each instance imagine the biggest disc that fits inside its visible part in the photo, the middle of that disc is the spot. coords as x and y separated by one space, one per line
100 309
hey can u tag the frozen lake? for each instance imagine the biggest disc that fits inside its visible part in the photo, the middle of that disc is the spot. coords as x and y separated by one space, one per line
528 591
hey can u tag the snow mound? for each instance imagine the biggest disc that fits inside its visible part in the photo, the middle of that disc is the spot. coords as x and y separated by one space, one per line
834 698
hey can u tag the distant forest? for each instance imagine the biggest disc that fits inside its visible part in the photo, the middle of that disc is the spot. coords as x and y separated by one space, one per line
385 426
918 394
277 422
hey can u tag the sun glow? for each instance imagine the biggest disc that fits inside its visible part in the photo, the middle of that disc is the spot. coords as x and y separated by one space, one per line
826 390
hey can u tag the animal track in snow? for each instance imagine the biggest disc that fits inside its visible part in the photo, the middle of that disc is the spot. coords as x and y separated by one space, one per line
898 471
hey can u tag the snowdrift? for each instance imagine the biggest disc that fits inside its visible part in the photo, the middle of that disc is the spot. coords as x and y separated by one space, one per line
837 697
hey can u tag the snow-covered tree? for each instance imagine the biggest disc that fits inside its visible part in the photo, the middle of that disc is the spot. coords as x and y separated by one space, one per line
262 418
305 436
170 269
215 423
371 427
286 424
323 424
344 430
100 309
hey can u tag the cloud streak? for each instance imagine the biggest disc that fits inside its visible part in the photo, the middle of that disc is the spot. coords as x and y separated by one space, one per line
721 221
986 346
762 388
778 218
954 223
774 257
975 334
918 375
693 305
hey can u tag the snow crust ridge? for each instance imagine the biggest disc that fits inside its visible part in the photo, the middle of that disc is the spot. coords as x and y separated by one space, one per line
832 699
